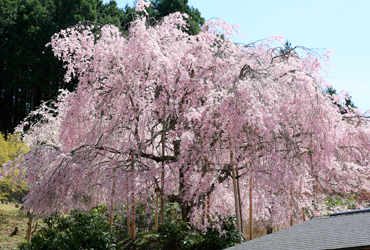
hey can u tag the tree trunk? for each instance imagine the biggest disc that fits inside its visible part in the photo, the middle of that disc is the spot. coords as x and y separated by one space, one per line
269 229
29 226
303 214
185 211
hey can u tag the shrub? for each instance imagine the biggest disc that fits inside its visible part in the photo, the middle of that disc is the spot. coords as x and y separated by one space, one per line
79 230
175 235
221 234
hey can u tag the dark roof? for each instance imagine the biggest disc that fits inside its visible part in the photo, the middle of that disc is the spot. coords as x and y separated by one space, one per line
350 230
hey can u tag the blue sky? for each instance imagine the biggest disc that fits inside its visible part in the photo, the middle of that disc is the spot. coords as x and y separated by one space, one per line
340 25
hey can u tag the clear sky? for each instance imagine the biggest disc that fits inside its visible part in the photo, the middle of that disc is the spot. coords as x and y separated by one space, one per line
340 25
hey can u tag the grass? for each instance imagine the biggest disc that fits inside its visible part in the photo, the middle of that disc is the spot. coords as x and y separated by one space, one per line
147 241
11 217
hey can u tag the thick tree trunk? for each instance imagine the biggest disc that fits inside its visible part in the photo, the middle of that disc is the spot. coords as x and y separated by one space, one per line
269 229
185 211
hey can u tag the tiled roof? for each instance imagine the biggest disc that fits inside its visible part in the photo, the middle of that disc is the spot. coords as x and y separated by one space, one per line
342 231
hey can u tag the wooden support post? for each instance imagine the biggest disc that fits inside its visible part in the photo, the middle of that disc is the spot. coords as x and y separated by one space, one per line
112 205
133 229
291 208
236 199
162 176
208 197
250 210
133 226
156 210
240 201
128 216
303 214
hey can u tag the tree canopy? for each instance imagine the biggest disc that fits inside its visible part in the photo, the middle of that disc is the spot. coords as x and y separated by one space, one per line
159 109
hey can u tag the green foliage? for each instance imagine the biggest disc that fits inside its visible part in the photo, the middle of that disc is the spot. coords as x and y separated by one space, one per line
10 149
172 212
164 7
344 107
79 230
337 203
175 235
220 234
220 238
29 72
288 49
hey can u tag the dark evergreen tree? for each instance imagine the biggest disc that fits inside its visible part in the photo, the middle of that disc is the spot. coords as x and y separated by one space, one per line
344 107
29 72
164 7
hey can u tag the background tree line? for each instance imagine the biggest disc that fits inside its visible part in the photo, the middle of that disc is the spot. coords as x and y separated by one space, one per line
29 72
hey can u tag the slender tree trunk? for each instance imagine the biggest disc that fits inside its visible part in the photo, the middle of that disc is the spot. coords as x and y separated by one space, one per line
162 176
29 225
